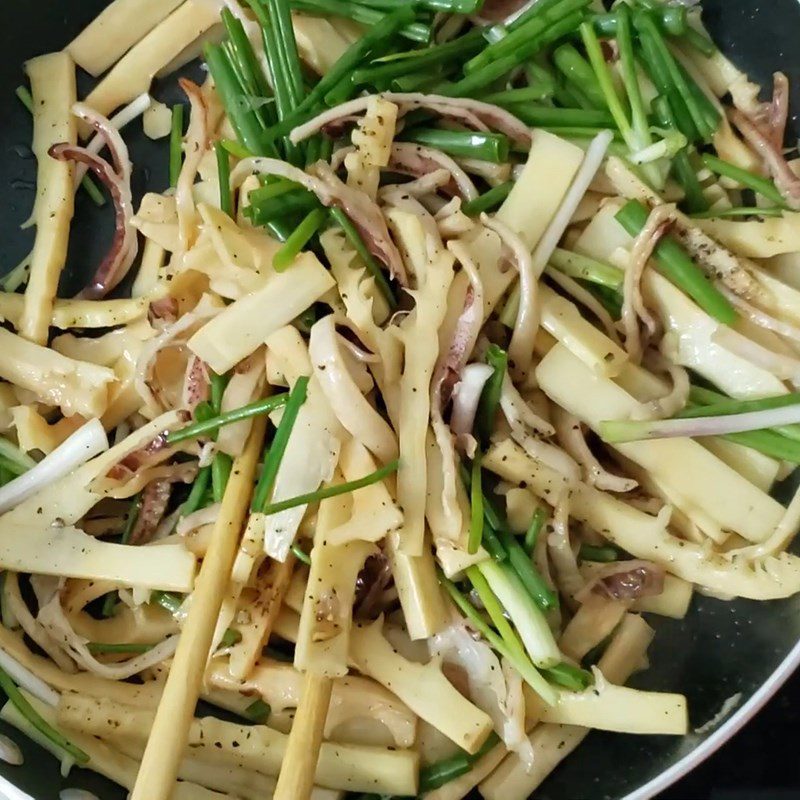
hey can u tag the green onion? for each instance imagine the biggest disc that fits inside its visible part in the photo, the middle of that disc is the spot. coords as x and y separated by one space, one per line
175 145
258 711
399 65
534 529
198 492
495 610
17 459
604 79
672 20
763 186
169 601
100 648
244 120
587 269
254 409
374 269
433 776
301 236
220 474
230 638
603 555
754 211
497 359
297 201
569 676
87 181
374 38
290 59
253 80
332 491
577 71
522 664
110 602
476 507
681 165
717 405
406 27
676 265
488 74
224 175
526 615
492 147
704 123
524 32
490 542
22 705
273 458
301 554
529 577
510 98
488 200
544 116
235 149
699 42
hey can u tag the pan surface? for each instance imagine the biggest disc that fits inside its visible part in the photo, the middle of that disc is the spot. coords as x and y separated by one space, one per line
720 650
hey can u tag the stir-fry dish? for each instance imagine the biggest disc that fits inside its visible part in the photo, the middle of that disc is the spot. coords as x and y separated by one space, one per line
463 343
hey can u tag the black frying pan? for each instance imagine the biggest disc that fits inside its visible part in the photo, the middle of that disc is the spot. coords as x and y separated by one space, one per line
719 650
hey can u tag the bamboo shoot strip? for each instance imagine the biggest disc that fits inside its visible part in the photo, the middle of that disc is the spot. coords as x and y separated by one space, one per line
87 181
676 265
332 491
273 458
169 734
296 778
210 426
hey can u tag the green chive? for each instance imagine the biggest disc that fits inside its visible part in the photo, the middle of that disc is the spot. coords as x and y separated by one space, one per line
497 359
374 269
493 147
569 676
32 715
224 175
763 186
534 529
258 711
489 200
220 474
230 638
301 554
603 555
476 507
272 460
198 492
676 265
301 236
254 409
332 491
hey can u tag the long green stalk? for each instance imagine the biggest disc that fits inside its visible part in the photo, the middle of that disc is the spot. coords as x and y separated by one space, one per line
273 458
763 186
497 359
676 265
300 237
332 491
587 269
493 147
210 426
488 200
374 269
476 507
32 715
